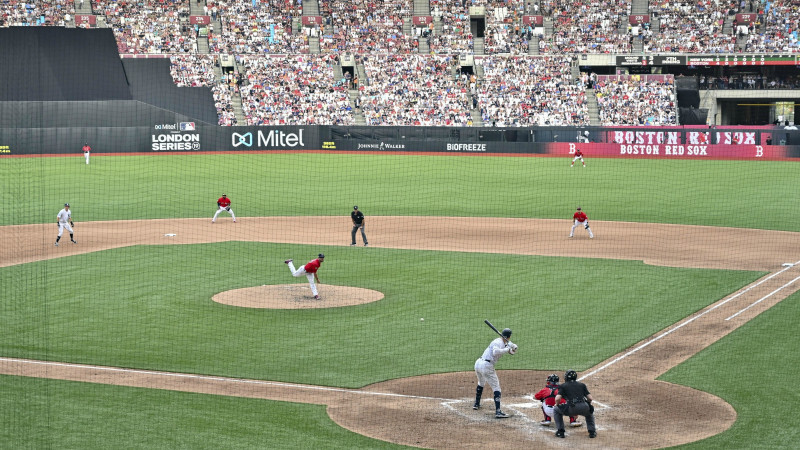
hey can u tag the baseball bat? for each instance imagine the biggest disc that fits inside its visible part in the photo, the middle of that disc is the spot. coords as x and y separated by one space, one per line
486 321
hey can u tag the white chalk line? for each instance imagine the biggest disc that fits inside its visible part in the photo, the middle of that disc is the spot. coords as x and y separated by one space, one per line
763 298
223 379
686 322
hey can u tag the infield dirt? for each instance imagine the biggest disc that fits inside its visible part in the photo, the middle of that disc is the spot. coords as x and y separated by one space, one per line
434 411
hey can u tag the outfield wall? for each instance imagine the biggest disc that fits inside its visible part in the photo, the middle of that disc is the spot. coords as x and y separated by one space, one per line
187 137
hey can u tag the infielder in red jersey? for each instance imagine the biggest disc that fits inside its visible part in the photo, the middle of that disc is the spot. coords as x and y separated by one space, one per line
578 155
310 271
224 204
548 398
580 219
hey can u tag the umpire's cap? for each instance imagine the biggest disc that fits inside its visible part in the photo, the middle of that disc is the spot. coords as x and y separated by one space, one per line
321 256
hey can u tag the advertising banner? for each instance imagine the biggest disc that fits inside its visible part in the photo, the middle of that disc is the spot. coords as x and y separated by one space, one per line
535 21
421 21
672 151
200 20
311 20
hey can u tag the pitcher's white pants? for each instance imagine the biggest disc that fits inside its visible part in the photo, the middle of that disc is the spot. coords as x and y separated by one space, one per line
302 271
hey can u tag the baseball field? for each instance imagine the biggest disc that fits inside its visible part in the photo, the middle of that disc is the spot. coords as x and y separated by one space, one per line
680 315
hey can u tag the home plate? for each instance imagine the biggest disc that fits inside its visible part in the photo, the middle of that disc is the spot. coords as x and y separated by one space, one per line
170 234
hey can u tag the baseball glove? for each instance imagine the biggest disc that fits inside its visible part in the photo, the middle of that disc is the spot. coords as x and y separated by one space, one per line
228 209
586 225
71 224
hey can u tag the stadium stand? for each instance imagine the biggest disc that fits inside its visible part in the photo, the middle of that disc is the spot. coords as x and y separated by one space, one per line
636 99
361 26
291 90
267 40
526 91
414 90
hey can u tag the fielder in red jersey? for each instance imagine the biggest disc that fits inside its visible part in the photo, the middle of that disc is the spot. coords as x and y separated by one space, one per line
578 155
580 218
224 204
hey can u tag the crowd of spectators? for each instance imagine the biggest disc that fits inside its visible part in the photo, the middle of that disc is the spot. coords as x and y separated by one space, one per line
776 28
692 26
588 27
293 90
149 26
505 32
636 99
15 13
366 26
456 34
749 81
531 90
414 90
257 27
198 71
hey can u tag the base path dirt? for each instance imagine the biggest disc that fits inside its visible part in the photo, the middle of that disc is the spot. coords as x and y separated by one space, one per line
434 411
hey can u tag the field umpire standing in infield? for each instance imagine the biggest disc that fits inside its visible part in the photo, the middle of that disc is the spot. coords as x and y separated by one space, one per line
579 403
358 222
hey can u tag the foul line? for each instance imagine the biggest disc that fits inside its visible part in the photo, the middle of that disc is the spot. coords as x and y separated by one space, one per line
763 298
688 321
213 378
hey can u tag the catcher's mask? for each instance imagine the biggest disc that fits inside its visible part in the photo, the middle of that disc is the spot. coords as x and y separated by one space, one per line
553 379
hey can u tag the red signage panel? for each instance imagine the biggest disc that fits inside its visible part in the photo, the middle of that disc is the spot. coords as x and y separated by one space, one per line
421 21
85 19
636 19
200 20
535 21
311 20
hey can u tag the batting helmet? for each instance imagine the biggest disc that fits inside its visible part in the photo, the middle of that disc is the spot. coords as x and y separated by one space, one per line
570 375
553 379
506 333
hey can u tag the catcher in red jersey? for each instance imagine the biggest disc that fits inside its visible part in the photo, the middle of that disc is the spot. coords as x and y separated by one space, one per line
548 398
224 204
580 218
578 155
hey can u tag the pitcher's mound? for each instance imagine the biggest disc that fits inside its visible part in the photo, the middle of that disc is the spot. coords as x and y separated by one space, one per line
297 296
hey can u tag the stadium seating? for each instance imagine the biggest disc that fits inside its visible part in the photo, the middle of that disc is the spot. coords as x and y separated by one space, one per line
636 99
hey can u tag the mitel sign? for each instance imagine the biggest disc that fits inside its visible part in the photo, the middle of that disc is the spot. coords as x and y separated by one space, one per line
270 138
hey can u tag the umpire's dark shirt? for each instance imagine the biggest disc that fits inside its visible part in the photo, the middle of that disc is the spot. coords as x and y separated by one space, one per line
357 217
573 391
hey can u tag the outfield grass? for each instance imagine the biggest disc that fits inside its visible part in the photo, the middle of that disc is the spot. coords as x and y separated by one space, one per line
754 369
147 307
721 193
39 413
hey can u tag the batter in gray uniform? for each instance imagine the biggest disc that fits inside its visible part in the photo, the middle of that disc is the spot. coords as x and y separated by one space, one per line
484 368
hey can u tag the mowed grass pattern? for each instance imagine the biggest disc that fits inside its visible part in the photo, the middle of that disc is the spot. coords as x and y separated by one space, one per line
720 193
149 306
